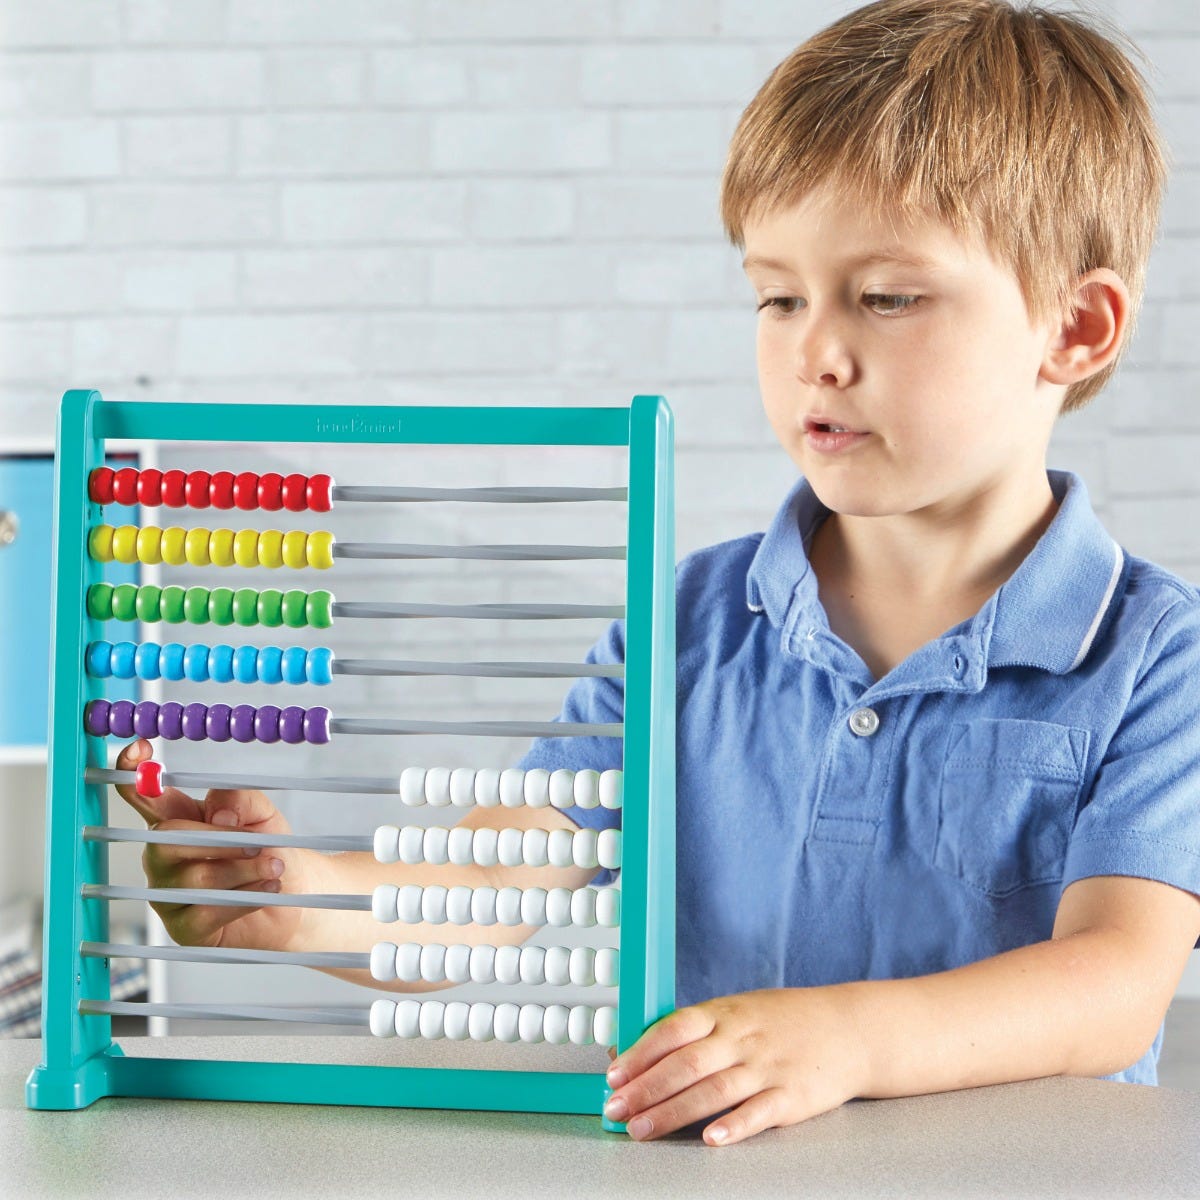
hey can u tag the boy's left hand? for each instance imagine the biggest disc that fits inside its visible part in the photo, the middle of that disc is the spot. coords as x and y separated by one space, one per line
774 1057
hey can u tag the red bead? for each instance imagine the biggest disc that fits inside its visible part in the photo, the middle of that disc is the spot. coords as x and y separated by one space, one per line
125 485
295 493
195 489
220 489
270 492
148 779
318 492
173 485
245 490
100 483
149 489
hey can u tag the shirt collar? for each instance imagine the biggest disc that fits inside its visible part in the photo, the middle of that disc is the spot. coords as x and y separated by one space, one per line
1048 614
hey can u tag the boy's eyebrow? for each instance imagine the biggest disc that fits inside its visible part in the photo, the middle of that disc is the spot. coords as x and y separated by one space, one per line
900 257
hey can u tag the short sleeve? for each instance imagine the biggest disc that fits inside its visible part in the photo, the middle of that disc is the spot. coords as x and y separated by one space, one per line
1142 817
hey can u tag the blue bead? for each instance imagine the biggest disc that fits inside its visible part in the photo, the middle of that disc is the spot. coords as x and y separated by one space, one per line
98 660
245 664
269 660
145 661
320 665
293 665
170 660
195 663
122 659
220 664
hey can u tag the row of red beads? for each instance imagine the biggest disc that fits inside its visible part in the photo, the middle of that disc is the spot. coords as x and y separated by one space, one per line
222 489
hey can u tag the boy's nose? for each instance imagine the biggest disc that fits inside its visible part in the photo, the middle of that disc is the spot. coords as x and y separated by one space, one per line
822 357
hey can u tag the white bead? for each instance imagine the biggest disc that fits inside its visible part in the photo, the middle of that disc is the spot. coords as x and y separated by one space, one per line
458 963
412 786
508 848
487 788
611 787
558 847
583 907
579 1025
533 847
558 907
506 1022
408 962
408 904
383 962
483 964
512 787
383 1018
555 1024
433 1019
533 906
411 844
457 1016
408 1019
533 960
604 1028
484 847
583 848
433 963
387 842
582 966
537 788
529 1023
434 847
433 904
557 965
437 788
383 902
608 907
508 906
608 848
562 789
483 905
481 1022
508 965
458 846
587 785
462 787
458 904
607 967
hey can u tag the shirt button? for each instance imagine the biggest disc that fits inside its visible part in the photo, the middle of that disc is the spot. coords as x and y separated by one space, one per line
864 721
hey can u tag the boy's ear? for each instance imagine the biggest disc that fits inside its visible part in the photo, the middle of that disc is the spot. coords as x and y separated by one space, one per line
1088 340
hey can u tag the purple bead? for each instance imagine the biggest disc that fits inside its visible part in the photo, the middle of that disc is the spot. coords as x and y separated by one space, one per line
120 719
241 723
216 723
291 724
316 726
194 722
95 717
170 721
145 719
266 723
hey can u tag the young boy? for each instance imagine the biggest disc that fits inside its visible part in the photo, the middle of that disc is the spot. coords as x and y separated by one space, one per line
939 768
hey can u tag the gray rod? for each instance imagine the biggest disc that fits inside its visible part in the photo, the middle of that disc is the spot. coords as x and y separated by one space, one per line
216 954
196 837
516 553
490 612
363 785
485 495
357 725
494 670
218 896
228 1012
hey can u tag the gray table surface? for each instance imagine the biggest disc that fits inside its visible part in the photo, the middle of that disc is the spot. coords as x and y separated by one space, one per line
1051 1137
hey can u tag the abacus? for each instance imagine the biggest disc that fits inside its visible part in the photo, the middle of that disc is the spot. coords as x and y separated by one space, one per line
81 1063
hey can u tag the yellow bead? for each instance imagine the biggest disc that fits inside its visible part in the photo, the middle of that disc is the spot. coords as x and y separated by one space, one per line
149 544
220 547
245 548
270 548
124 544
320 549
196 547
172 546
294 554
100 541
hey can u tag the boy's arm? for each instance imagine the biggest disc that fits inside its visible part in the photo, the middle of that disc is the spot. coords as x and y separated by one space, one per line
1087 1002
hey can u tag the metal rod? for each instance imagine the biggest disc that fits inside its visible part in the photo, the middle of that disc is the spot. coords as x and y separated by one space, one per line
196 837
489 612
536 729
228 1012
515 553
224 898
319 959
363 785
484 495
492 670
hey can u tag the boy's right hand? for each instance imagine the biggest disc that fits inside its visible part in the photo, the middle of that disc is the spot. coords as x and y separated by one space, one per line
268 870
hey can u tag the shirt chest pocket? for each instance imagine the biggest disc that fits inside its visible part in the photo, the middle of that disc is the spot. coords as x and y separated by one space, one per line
1007 802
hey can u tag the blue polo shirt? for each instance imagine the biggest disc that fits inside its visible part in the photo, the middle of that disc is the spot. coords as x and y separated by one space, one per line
835 827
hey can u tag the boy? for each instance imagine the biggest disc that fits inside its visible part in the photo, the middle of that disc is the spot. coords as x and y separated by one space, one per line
939 770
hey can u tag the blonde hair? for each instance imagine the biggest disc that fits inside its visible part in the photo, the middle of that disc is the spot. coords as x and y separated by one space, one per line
1025 127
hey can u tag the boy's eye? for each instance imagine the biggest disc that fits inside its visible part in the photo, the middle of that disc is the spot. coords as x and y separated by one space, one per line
786 305
783 304
892 304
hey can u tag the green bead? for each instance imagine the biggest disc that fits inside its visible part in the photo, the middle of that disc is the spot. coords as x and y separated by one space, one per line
270 607
99 601
245 606
172 604
195 606
294 616
124 602
220 606
149 602
319 609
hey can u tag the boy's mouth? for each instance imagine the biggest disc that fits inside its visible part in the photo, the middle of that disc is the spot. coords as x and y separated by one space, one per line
815 425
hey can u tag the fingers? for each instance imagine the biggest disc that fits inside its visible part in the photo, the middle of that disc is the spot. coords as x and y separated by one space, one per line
762 1111
204 924
238 808
713 1093
673 1032
170 806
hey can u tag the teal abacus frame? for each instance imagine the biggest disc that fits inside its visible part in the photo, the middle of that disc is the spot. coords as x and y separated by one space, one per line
80 1062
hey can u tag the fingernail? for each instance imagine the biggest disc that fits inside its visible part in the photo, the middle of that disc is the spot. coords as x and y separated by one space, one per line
275 867
252 851
717 1134
271 886
616 1109
224 817
617 1077
640 1127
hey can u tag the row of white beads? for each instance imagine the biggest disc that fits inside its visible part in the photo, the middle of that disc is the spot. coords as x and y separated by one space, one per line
555 1023
462 905
411 962
465 787
415 844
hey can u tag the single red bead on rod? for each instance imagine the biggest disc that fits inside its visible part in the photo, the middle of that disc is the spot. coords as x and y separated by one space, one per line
270 492
196 489
245 490
295 493
318 493
148 779
174 494
220 490
149 489
125 485
100 483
